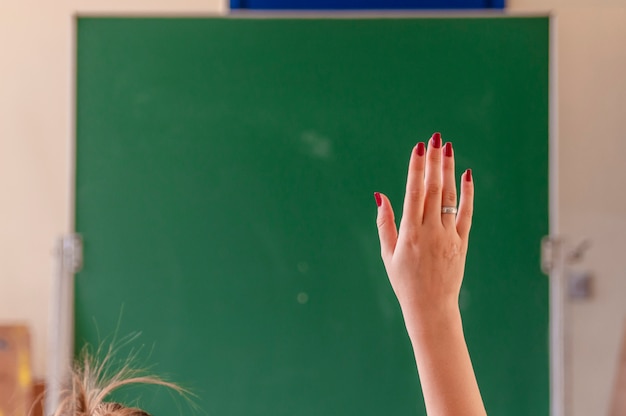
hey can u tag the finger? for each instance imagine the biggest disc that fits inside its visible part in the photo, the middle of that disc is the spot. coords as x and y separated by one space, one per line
432 180
448 190
387 232
466 205
414 197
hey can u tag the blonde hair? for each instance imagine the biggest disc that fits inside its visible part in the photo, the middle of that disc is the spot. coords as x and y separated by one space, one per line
92 380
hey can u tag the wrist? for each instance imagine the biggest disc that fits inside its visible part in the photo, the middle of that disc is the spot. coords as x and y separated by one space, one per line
430 320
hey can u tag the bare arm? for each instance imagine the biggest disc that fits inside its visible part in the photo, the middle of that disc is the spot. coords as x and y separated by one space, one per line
425 261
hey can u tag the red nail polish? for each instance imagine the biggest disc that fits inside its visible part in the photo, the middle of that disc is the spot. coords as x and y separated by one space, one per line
420 149
468 175
447 149
436 140
378 198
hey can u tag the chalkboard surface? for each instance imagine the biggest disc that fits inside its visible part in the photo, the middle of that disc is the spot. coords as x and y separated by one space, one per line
225 171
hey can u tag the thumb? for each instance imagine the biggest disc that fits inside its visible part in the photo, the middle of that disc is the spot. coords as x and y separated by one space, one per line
387 231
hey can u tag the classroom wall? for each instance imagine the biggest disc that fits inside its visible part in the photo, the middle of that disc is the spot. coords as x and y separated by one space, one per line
593 204
34 158
36 146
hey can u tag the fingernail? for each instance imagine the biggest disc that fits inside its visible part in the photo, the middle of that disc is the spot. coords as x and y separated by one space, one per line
379 200
447 149
468 175
420 149
436 140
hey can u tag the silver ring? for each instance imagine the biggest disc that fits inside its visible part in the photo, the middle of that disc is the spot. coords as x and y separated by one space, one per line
448 210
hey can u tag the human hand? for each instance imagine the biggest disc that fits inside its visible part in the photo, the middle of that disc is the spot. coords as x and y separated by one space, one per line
425 258
425 261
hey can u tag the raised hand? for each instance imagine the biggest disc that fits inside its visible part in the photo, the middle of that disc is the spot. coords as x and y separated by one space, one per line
425 262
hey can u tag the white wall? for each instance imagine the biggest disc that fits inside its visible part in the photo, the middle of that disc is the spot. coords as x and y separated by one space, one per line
34 157
593 198
35 163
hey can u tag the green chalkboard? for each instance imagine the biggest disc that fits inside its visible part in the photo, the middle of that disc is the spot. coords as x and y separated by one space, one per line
224 180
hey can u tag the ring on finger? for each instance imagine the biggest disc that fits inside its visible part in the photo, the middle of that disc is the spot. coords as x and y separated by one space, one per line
448 210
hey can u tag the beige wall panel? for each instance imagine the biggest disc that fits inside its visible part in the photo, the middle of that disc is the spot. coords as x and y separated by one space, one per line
592 60
34 159
558 5
150 6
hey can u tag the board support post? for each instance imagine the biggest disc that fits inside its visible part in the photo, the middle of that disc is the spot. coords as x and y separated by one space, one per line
69 260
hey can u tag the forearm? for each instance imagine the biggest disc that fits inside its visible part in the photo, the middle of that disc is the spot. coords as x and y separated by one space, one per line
443 362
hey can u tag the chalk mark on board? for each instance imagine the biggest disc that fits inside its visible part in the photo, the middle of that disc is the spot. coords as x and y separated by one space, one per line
317 145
